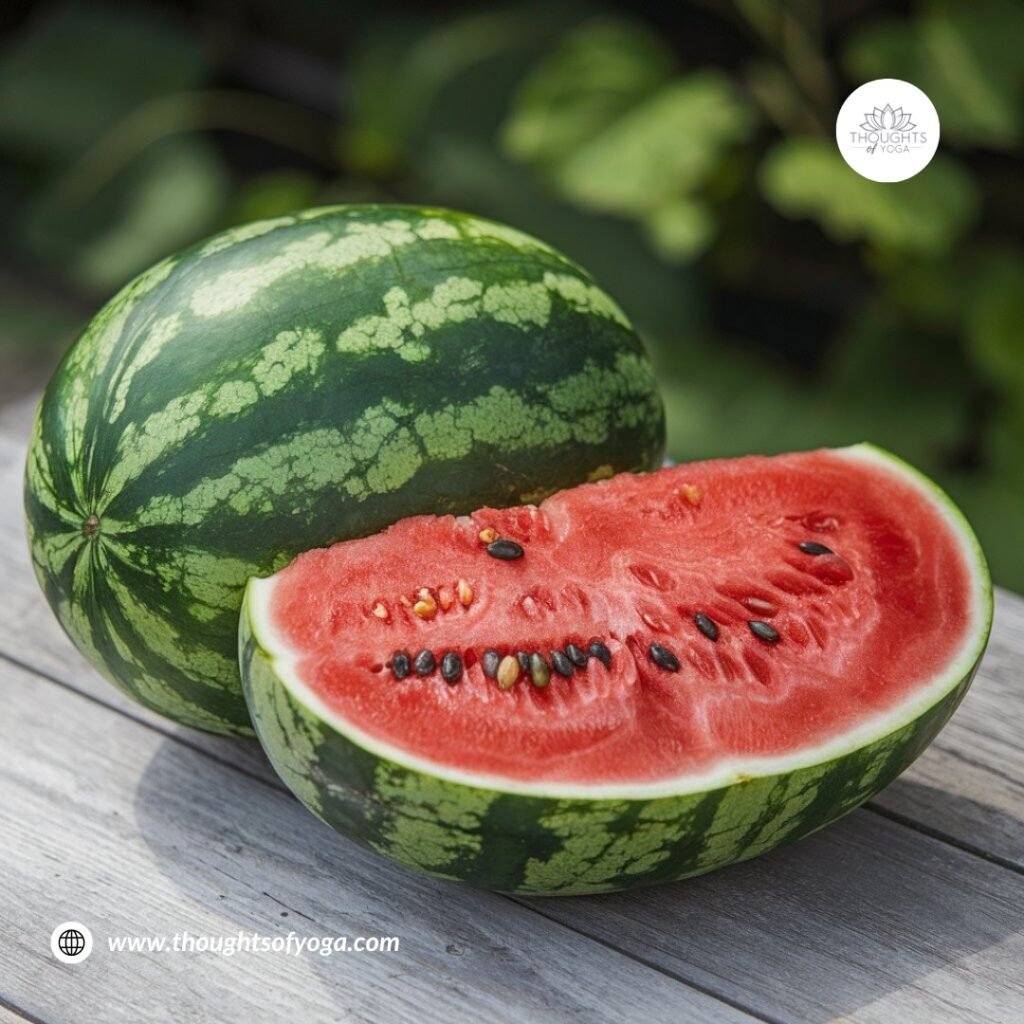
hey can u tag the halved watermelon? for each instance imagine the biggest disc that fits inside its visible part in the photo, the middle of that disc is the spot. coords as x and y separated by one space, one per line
640 680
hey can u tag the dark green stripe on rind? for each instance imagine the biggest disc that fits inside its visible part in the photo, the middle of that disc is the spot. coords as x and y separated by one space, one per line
124 629
547 846
301 381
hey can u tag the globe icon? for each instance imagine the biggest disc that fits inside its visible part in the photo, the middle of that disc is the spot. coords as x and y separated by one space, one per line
71 942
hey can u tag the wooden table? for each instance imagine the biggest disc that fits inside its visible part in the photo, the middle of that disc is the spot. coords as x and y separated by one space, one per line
911 909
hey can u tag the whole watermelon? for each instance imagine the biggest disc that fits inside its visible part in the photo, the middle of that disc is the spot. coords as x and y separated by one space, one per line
302 380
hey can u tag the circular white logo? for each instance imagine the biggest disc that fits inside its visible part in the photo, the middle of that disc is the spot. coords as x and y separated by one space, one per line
71 942
887 130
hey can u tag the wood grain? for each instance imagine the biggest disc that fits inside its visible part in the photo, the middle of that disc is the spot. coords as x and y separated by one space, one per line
8 1015
109 823
31 636
867 922
968 787
912 909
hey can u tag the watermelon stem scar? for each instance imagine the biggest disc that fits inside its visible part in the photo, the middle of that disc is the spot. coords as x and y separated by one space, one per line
674 675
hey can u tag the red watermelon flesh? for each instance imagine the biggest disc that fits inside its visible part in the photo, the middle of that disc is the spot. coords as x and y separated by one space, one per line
840 587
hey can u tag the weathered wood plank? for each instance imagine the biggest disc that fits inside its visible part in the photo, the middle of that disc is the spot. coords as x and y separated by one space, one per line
867 922
31 635
968 787
10 1016
16 417
107 822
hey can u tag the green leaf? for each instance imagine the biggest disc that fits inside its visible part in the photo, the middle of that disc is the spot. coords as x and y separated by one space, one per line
925 215
680 228
887 383
995 324
727 403
599 71
929 291
78 69
663 148
608 126
169 196
405 73
993 506
966 58
907 389
661 300
33 321
995 338
271 195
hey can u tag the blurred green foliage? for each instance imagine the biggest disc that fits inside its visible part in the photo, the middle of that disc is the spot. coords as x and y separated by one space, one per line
686 158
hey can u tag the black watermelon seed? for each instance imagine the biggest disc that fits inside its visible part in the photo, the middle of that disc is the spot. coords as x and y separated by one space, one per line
596 649
540 671
706 625
451 668
424 663
664 657
577 655
763 631
560 663
812 547
400 664
524 660
506 550
490 662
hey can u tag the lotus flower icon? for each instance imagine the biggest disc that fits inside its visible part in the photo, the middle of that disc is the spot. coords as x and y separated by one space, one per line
883 119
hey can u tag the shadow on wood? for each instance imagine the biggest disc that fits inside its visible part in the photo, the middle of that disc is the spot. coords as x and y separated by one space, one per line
262 862
866 920
993 830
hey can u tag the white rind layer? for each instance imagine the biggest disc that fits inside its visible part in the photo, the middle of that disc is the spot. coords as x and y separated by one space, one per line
728 771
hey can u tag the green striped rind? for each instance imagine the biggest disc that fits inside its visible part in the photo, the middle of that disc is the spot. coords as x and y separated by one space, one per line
517 840
523 843
299 381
